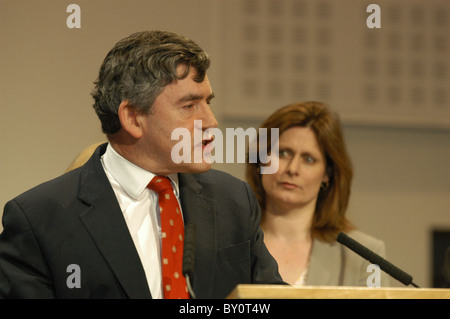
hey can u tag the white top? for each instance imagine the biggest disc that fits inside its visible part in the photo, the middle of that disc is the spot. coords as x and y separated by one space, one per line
140 209
301 280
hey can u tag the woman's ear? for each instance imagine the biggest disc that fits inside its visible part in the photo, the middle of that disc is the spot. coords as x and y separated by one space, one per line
326 176
128 116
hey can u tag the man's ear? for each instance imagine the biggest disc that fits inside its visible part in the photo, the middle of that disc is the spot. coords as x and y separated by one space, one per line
128 116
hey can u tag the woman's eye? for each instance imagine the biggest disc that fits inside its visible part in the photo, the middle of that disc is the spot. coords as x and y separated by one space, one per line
283 153
309 159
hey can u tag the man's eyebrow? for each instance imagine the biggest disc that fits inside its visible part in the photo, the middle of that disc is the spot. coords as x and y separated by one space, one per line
193 97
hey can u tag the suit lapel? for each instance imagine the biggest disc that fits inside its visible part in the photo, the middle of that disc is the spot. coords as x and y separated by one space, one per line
107 227
200 209
325 264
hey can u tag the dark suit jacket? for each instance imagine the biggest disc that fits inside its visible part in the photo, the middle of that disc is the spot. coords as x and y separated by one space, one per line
76 219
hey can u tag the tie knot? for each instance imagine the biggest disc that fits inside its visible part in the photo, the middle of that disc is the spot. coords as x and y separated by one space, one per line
160 184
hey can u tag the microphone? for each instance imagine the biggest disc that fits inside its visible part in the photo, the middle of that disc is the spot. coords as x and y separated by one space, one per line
189 256
369 255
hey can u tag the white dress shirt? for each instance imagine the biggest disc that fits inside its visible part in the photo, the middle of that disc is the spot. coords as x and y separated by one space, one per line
141 212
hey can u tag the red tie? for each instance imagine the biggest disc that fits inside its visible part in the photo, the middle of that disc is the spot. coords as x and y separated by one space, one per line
172 239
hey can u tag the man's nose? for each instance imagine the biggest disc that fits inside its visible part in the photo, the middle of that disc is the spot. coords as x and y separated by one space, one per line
208 118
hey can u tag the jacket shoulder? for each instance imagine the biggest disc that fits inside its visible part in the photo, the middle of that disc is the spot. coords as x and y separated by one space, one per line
369 241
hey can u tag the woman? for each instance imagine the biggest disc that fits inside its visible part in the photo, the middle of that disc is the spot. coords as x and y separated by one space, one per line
304 203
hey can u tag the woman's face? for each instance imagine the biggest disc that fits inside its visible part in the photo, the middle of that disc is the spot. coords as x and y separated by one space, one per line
301 171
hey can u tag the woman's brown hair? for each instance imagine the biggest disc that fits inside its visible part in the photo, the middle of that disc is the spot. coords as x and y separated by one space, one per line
330 214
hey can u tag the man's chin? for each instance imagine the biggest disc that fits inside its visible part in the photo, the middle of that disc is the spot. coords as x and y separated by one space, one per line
195 168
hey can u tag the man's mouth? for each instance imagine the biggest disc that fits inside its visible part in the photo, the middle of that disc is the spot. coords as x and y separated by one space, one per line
208 141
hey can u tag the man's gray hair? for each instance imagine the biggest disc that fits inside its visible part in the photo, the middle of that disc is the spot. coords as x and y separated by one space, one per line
137 69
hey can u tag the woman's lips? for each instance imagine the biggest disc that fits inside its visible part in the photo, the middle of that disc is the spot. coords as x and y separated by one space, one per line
288 185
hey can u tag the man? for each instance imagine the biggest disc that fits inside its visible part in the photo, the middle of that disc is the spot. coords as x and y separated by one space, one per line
95 232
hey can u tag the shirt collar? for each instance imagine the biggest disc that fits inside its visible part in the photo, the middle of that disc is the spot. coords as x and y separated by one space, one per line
132 178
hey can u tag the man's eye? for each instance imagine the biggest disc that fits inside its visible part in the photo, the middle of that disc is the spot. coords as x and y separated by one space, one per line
190 106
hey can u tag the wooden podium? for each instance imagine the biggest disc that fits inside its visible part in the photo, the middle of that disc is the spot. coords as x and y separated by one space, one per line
331 292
